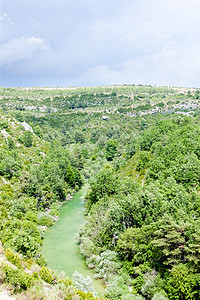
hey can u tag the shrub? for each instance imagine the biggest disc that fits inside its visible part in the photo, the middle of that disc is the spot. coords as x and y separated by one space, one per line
3 124
26 244
46 275
28 139
11 144
31 216
13 258
40 260
116 288
143 162
17 278
106 264
111 149
65 280
86 296
45 220
183 283
83 283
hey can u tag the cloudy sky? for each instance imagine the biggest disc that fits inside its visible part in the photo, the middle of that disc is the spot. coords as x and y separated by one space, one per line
99 42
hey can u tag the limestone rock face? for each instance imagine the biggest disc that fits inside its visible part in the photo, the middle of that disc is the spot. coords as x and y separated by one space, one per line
27 127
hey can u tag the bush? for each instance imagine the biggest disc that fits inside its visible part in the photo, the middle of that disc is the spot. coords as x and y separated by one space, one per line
28 139
17 278
182 283
153 285
111 149
10 163
83 283
31 216
26 244
3 124
65 280
45 220
143 162
107 264
40 260
45 274
116 288
13 258
86 296
11 144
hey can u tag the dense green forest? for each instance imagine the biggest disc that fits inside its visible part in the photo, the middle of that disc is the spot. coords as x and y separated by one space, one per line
138 149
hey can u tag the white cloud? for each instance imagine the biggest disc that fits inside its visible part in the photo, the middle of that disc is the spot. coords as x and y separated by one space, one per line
4 17
102 41
21 49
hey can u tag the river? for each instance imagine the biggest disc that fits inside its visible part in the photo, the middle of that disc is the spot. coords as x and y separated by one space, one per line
60 248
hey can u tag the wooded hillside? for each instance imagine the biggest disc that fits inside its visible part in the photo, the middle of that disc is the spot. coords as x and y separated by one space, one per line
138 148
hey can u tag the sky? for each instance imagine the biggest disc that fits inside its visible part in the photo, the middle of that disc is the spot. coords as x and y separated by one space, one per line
62 43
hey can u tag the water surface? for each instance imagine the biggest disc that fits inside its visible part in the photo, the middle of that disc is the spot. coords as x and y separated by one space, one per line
60 247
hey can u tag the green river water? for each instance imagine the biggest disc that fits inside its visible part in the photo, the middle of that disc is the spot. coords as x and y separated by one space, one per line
60 248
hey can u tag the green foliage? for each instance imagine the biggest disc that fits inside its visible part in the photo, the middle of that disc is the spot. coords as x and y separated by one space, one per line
28 139
22 236
45 220
10 163
69 176
4 124
160 296
116 288
14 258
182 283
107 263
142 232
40 260
130 296
46 275
38 131
140 250
19 279
144 160
25 244
77 177
105 183
164 242
11 144
23 205
79 136
49 181
111 149
31 216
86 296
153 285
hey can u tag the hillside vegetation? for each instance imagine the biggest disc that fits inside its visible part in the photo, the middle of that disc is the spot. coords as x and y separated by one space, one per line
138 147
35 178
